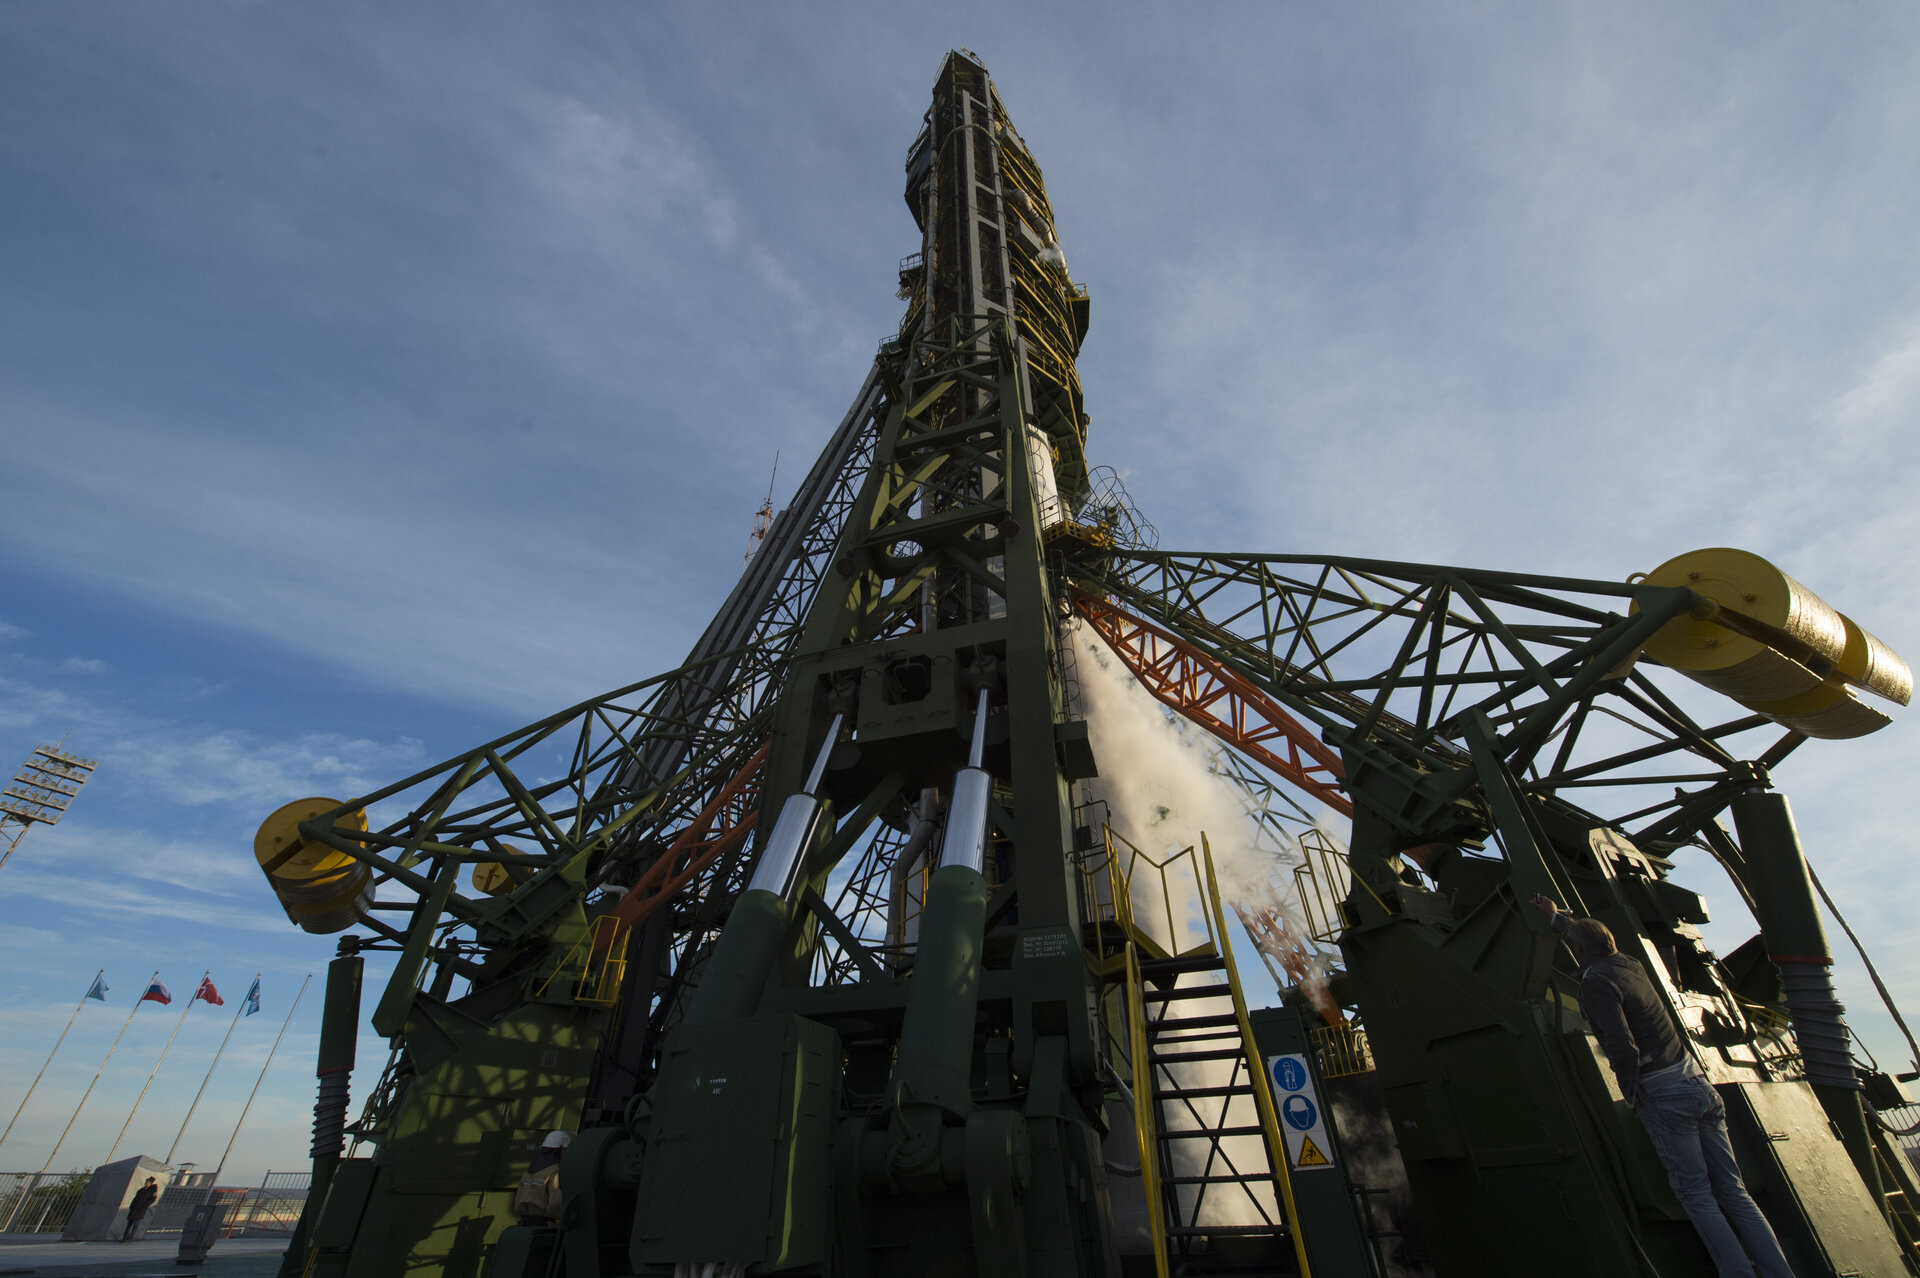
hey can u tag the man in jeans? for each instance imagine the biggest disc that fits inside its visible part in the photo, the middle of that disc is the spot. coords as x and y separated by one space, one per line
1682 1113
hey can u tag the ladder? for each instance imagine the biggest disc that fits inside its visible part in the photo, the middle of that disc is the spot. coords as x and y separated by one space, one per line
1900 1206
1212 1163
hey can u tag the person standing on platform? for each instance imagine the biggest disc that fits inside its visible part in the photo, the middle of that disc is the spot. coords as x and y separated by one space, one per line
1662 1083
137 1209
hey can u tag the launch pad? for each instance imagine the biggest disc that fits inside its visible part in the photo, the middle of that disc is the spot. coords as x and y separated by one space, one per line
826 950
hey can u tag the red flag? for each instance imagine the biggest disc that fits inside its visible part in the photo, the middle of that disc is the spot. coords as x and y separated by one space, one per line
207 992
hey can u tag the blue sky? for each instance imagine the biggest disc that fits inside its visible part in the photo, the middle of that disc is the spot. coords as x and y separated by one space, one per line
378 378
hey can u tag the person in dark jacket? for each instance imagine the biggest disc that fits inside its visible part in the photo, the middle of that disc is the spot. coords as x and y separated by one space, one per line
1684 1117
137 1209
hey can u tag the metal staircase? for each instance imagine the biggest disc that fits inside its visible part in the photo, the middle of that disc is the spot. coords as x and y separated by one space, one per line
1207 1132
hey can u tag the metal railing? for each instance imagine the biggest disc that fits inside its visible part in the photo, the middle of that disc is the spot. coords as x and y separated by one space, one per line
39 1203
1324 879
32 1203
273 1208
597 962
177 1201
1140 893
1342 1050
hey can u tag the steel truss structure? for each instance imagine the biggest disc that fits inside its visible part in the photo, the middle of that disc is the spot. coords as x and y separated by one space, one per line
946 984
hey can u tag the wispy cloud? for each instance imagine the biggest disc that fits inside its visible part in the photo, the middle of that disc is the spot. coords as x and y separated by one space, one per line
98 895
198 764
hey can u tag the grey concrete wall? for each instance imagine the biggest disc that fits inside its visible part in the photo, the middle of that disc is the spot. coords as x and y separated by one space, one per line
102 1212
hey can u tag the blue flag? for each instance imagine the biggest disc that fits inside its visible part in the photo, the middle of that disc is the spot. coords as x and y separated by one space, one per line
253 997
99 989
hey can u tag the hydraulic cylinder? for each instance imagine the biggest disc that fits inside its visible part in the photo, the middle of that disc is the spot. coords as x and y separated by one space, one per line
749 945
339 1034
934 1065
1797 944
935 1060
737 970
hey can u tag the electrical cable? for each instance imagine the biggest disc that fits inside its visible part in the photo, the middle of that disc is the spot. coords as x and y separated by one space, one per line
1126 1094
1873 972
1889 1128
1886 997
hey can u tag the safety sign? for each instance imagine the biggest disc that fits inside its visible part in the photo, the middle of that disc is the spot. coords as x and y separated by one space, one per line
1302 1124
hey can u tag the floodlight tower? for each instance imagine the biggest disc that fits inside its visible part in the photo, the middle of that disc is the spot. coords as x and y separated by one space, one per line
40 793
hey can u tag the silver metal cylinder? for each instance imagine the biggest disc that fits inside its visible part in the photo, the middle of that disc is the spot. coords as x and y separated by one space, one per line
780 859
976 750
965 840
786 848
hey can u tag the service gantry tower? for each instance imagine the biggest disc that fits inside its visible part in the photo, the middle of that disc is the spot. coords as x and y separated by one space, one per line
818 945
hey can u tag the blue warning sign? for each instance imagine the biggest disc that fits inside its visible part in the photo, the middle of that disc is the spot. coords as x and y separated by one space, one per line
1302 1126
1300 1113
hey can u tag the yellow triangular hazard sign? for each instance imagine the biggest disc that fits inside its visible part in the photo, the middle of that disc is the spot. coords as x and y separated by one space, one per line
1310 1155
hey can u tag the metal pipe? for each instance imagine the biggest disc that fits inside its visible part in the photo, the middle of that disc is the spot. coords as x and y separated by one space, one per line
918 837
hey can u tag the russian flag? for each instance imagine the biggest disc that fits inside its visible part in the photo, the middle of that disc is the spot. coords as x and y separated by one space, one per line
156 993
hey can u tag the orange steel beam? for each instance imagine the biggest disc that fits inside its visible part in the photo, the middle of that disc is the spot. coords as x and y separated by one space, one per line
1193 683
734 810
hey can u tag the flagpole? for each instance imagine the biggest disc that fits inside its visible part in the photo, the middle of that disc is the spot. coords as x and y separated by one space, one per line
256 1082
155 1071
50 1055
98 1072
208 1079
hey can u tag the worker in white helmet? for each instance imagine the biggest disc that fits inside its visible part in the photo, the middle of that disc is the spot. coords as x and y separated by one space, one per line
537 1200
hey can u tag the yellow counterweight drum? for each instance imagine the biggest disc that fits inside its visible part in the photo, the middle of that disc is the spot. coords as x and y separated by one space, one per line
491 878
1799 677
1872 665
322 889
1744 668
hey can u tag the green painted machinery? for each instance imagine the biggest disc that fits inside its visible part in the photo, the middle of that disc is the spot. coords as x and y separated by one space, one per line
817 947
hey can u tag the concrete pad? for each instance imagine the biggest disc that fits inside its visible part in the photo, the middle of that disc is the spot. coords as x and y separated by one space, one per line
230 1258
